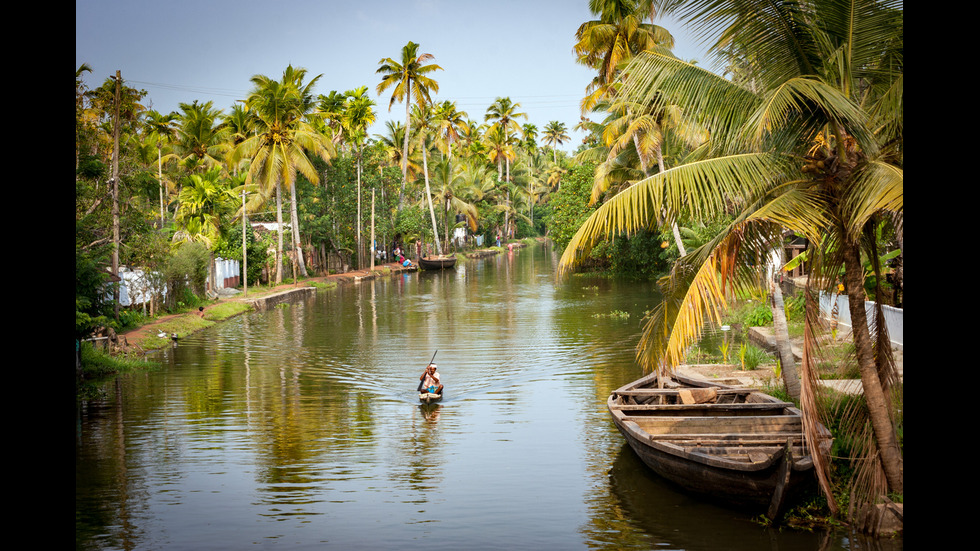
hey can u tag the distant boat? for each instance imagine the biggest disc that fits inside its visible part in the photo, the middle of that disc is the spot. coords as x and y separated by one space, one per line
442 262
429 397
734 444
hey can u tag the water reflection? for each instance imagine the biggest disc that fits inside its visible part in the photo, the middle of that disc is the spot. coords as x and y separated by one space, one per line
301 426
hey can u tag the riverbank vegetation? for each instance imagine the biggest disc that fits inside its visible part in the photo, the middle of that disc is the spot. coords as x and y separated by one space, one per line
687 175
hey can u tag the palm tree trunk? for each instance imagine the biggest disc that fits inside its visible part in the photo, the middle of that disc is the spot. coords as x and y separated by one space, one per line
160 180
786 361
115 196
297 244
360 246
881 421
408 129
660 164
428 197
279 228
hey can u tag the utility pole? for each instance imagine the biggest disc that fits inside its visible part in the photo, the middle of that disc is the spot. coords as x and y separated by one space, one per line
244 245
115 192
373 246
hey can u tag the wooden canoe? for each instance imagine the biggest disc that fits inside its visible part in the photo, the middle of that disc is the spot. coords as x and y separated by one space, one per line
733 444
438 262
429 397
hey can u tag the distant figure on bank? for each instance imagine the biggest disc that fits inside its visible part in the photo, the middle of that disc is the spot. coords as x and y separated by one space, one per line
200 311
430 380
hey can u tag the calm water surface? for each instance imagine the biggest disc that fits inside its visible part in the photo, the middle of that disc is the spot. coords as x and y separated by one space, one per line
299 428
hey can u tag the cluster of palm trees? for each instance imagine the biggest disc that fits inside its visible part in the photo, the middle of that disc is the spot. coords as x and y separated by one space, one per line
459 182
802 133
215 167
257 149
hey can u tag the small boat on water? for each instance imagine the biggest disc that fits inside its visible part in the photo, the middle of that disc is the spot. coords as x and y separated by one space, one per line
442 262
734 444
429 397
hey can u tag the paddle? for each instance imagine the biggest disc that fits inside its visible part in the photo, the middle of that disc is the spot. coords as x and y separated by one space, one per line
422 380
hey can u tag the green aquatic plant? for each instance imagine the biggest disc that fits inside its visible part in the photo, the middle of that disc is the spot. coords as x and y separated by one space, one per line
614 314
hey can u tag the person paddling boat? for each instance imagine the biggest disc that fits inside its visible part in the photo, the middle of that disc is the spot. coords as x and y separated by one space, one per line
430 380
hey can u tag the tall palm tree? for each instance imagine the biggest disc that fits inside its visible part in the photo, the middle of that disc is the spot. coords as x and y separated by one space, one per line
331 110
500 150
618 34
409 81
164 129
449 189
529 140
201 139
555 134
238 122
449 120
503 114
280 143
470 134
358 114
392 141
424 119
816 148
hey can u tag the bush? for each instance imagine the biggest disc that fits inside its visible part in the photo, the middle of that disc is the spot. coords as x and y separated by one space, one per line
758 316
752 356
186 274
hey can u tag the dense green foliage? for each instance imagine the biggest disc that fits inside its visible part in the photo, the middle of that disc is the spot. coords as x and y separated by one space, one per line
570 204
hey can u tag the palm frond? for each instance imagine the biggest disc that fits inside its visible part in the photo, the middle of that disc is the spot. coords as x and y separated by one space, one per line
806 105
812 401
701 188
659 81
878 186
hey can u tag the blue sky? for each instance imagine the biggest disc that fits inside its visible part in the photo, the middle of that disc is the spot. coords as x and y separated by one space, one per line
207 50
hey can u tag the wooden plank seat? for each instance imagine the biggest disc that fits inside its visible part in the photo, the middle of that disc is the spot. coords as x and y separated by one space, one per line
676 391
736 425
704 409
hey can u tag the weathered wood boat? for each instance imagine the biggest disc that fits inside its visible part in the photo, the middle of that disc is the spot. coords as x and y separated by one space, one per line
443 262
429 397
729 443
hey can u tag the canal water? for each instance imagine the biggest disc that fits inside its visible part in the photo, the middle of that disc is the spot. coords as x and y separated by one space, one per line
300 428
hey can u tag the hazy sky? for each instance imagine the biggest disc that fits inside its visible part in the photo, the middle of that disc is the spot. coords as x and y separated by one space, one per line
207 50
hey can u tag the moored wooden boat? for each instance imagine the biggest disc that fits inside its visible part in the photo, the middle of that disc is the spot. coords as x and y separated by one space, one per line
734 444
442 262
429 397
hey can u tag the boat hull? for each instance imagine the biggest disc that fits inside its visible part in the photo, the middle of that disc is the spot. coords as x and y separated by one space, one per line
429 398
749 454
437 263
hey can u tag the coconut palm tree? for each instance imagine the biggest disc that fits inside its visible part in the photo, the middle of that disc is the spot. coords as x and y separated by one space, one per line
449 120
470 137
392 141
815 147
358 114
500 150
278 149
409 81
503 114
555 134
449 188
201 139
163 129
424 121
615 37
